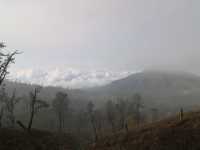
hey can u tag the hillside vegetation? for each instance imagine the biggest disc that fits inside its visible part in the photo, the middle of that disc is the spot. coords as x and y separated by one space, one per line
169 134
89 114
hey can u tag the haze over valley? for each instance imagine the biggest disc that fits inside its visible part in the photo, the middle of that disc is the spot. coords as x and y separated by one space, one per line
99 75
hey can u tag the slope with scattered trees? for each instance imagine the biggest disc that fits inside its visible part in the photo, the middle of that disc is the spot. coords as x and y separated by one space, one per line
168 134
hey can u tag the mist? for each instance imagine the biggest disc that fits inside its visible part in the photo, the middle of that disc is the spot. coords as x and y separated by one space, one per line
99 74
125 35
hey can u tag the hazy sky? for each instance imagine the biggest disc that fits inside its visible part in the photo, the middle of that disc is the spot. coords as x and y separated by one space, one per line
103 34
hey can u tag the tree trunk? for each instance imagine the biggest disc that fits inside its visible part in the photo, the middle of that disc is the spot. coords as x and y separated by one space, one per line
21 125
31 120
95 132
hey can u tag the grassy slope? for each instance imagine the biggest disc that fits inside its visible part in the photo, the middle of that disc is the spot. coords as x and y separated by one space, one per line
12 139
169 134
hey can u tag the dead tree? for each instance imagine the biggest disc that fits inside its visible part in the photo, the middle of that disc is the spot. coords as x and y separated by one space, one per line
3 98
99 118
10 104
35 106
60 105
81 120
1 116
138 106
121 107
111 114
5 60
90 110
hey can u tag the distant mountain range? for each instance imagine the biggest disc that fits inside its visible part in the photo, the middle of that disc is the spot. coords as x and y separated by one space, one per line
166 88
161 87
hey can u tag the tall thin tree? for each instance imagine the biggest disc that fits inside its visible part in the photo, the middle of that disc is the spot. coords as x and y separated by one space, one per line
60 105
138 106
91 113
10 103
111 115
35 105
122 110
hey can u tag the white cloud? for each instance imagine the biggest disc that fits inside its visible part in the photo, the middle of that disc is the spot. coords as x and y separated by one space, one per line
69 77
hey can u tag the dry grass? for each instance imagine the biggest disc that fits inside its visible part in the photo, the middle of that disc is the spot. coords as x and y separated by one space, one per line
168 134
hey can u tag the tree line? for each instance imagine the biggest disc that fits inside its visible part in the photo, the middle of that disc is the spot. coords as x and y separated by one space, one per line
91 121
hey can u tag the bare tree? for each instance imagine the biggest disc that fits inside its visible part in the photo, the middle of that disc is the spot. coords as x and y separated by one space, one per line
60 105
1 116
35 105
122 110
110 111
10 103
99 118
3 98
91 113
81 120
6 58
138 106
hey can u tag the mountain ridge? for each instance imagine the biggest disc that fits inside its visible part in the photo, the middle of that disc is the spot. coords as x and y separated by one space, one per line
161 87
156 87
